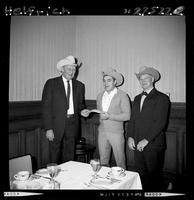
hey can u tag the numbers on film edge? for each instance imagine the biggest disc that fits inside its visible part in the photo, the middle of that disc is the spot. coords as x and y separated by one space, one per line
154 10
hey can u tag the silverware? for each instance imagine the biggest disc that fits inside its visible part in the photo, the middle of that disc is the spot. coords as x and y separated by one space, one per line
113 180
110 178
38 175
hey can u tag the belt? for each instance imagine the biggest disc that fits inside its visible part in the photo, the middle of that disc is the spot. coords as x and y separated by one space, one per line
70 116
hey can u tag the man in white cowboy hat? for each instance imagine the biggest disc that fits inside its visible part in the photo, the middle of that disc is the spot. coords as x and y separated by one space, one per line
115 106
146 130
63 100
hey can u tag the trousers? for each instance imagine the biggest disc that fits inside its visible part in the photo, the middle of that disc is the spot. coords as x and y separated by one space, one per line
116 141
63 149
149 164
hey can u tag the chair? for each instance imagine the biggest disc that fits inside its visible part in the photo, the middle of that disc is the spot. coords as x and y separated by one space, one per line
84 152
21 163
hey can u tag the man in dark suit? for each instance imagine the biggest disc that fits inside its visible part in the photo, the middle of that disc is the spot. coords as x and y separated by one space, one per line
63 100
146 130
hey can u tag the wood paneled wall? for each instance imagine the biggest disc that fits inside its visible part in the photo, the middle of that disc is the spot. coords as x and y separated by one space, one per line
27 136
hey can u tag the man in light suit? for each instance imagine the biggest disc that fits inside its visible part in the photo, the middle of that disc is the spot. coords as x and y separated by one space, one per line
146 130
115 106
62 103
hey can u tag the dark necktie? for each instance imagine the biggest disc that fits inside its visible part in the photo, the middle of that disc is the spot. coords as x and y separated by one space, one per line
68 93
144 93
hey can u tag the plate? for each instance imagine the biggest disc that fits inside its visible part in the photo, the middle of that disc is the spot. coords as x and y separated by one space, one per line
42 171
101 181
112 175
34 177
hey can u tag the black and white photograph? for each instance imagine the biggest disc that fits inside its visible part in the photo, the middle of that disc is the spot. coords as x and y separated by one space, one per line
97 103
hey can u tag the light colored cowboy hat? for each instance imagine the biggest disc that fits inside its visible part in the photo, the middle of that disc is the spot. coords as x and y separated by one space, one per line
113 73
69 60
148 70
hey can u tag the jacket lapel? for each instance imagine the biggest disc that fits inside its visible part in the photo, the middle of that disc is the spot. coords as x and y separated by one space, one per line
62 89
74 87
112 101
138 102
100 106
149 96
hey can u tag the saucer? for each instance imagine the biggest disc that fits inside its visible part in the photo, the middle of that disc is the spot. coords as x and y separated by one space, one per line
42 171
18 184
113 175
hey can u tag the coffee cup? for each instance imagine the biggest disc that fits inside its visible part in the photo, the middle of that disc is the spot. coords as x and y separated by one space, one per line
117 171
22 175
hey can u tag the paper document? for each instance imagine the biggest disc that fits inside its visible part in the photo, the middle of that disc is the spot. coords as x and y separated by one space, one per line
95 110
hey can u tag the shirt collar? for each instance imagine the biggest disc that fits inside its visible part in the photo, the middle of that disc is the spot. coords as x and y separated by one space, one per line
148 91
114 91
65 80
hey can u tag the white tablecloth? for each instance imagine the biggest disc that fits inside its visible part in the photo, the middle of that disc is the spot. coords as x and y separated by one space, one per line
77 176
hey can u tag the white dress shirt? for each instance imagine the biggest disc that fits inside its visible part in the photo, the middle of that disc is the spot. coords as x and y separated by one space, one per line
143 97
106 99
70 111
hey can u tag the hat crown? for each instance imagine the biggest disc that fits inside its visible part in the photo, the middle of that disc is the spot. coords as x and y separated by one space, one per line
71 59
113 73
148 70
109 71
142 68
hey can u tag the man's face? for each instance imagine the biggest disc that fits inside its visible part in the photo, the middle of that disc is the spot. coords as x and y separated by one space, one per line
69 71
146 81
109 83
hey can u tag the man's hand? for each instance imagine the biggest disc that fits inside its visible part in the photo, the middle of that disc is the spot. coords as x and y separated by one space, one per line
131 143
142 144
104 115
50 135
85 113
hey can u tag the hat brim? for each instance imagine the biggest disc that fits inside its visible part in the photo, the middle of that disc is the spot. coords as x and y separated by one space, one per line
151 72
59 67
119 77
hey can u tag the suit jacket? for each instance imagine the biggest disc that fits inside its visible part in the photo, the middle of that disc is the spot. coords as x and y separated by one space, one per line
149 123
119 105
54 104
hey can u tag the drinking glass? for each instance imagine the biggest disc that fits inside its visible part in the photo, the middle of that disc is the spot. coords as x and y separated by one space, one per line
52 170
95 163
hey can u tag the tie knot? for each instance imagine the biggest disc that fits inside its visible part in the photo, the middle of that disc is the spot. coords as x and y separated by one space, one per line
144 93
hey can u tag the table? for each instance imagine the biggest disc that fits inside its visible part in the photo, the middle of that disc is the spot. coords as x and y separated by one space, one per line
76 175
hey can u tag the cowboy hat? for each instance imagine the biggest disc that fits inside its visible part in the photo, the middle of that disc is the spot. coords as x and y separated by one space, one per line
148 70
113 73
69 60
